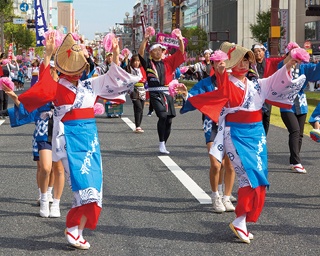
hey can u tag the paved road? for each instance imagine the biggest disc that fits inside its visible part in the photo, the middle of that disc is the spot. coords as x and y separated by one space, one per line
147 209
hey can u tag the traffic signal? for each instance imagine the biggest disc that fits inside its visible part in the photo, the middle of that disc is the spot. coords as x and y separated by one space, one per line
31 23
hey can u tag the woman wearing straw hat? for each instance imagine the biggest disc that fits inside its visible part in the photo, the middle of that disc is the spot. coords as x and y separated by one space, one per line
241 134
75 138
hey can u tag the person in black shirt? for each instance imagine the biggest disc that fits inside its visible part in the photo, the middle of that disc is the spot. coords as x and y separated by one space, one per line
159 74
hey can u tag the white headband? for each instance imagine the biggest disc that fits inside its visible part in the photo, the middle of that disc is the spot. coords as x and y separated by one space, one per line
258 46
155 46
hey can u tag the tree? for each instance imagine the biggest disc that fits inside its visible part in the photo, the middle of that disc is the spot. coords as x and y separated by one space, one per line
6 9
260 30
197 39
18 34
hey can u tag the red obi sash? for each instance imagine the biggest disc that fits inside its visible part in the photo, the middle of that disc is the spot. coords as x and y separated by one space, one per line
79 113
245 117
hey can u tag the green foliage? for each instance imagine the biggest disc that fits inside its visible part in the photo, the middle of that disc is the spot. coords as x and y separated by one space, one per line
6 9
260 30
18 34
195 45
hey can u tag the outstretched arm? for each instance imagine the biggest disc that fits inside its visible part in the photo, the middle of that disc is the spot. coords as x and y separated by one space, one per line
11 94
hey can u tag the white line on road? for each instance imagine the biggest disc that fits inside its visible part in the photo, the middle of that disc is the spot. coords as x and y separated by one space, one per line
129 123
185 179
2 121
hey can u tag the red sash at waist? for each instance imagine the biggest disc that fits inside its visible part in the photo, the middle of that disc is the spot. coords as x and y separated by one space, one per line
245 117
78 113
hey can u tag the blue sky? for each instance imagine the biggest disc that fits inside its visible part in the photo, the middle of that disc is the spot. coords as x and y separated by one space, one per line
100 15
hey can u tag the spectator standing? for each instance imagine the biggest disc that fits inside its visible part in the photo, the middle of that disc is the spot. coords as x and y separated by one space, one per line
138 95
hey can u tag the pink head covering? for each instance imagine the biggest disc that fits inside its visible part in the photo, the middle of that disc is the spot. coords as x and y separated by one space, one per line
291 46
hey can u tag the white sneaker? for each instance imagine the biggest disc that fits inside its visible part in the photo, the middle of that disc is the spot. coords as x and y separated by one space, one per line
217 205
50 197
55 211
228 205
233 199
44 209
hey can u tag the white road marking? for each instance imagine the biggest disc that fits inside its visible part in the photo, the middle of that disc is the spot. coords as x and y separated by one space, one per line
129 123
185 179
2 121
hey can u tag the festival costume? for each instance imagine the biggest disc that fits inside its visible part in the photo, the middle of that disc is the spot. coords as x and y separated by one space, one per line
34 75
237 108
159 75
295 117
205 85
75 138
315 116
203 69
138 96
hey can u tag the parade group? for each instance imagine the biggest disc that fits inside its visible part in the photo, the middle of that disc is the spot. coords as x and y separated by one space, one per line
235 91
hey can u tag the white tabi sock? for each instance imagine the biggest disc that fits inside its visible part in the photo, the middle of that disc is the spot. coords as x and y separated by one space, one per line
162 148
240 222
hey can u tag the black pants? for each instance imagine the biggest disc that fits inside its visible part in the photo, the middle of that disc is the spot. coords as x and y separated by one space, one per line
150 107
3 100
138 106
164 113
295 126
266 117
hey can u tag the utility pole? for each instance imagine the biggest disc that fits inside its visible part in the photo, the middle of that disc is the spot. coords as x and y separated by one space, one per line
275 28
133 25
1 32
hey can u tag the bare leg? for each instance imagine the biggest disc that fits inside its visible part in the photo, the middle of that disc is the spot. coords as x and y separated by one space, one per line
214 172
58 185
229 176
45 162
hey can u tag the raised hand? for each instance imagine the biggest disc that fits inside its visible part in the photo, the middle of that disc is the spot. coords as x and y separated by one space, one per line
219 66
50 44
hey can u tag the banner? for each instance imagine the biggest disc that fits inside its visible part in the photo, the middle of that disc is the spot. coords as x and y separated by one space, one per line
170 41
40 22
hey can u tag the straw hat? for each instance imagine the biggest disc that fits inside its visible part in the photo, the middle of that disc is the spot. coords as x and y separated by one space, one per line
235 54
69 58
